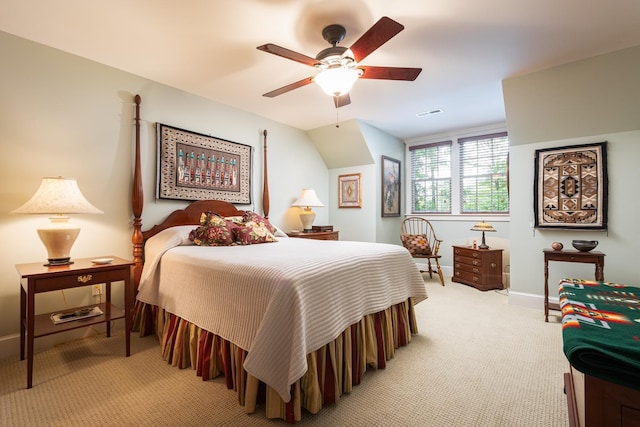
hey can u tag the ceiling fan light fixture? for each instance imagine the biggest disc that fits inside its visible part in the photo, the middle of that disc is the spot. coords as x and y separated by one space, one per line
337 81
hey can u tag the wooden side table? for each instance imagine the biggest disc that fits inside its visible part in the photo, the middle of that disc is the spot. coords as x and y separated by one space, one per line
592 257
318 235
83 272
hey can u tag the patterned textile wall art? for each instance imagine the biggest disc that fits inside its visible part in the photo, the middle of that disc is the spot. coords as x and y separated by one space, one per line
192 166
570 187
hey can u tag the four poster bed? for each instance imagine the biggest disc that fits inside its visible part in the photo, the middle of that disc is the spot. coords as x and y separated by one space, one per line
290 323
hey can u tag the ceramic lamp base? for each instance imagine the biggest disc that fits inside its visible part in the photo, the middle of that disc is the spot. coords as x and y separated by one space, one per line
307 216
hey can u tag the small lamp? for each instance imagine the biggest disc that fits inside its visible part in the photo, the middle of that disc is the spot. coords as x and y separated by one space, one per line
306 200
58 196
483 226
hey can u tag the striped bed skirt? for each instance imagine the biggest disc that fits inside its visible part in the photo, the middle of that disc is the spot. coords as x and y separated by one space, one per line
332 370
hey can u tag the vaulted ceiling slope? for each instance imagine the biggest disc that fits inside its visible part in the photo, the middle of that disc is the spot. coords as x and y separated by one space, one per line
208 48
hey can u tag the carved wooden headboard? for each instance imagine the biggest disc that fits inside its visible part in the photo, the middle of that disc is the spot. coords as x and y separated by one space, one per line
187 216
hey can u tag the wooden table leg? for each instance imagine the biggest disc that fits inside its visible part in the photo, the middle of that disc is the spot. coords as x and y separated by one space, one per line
108 299
600 270
23 317
128 312
546 289
30 331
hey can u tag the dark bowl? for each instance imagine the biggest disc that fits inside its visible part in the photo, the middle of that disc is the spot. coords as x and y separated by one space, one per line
584 245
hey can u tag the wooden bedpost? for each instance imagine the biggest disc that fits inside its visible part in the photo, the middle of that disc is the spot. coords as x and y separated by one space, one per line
137 202
265 187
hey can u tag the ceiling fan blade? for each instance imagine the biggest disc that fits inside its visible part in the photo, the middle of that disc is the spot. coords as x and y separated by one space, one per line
289 87
341 101
288 54
389 73
380 33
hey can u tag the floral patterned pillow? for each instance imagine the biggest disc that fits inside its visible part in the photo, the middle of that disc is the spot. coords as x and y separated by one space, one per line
417 244
252 233
254 217
213 231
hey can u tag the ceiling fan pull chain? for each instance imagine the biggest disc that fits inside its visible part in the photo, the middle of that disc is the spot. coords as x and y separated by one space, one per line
337 124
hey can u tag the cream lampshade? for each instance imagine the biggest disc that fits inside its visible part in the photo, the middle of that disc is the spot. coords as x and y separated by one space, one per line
307 200
483 226
58 196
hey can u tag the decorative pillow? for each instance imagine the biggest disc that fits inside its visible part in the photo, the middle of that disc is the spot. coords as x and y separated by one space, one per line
210 218
254 217
214 231
417 244
235 219
252 233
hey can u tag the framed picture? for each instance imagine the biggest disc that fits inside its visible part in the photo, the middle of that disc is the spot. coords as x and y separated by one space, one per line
570 187
349 192
192 166
390 187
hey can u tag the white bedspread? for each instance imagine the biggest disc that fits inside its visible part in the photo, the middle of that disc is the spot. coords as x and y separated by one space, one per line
280 301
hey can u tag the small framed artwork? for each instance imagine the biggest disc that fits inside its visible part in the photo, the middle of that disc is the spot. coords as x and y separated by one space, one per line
390 187
349 192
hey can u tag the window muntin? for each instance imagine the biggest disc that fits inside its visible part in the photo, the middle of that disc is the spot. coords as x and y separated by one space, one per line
484 175
431 178
468 177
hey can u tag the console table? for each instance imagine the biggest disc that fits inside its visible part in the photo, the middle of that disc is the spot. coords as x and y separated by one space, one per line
591 257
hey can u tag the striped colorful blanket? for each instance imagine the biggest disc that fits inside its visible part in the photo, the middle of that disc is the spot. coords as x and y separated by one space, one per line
601 329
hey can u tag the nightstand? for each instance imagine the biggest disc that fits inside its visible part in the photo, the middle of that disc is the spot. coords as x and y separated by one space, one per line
317 235
480 268
39 278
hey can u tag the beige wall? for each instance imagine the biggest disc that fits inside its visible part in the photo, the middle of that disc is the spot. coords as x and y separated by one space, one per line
595 96
589 101
64 115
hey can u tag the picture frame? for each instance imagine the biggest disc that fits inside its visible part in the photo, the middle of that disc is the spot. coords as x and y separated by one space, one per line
349 191
571 187
391 187
194 166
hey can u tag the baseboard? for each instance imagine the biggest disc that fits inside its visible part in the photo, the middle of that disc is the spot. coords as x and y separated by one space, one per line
10 344
532 301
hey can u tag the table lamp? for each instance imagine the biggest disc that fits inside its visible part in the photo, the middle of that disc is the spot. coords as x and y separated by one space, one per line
307 200
483 226
58 196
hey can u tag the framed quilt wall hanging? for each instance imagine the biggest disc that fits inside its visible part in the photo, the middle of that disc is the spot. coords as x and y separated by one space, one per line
570 187
193 166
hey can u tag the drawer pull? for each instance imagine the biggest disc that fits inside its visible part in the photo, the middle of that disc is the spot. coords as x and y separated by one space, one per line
493 265
475 262
475 279
85 279
475 254
457 273
456 251
476 270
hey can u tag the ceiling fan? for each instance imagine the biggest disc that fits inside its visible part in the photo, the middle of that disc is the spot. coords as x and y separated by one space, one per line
339 67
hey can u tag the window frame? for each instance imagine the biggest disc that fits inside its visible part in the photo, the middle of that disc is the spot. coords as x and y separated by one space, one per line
411 162
494 158
456 211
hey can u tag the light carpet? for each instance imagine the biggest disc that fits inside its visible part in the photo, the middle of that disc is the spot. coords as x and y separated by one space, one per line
477 361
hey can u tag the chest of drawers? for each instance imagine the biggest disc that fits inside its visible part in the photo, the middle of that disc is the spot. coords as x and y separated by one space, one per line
480 268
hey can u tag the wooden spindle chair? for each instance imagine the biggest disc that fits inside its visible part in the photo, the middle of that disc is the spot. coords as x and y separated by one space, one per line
418 236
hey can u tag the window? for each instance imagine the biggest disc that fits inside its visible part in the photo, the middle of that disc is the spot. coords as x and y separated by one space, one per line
484 174
431 178
468 177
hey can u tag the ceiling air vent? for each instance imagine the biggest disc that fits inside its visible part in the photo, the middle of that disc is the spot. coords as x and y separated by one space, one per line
430 113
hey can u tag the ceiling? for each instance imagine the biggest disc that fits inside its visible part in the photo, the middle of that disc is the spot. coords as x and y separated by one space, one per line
208 48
